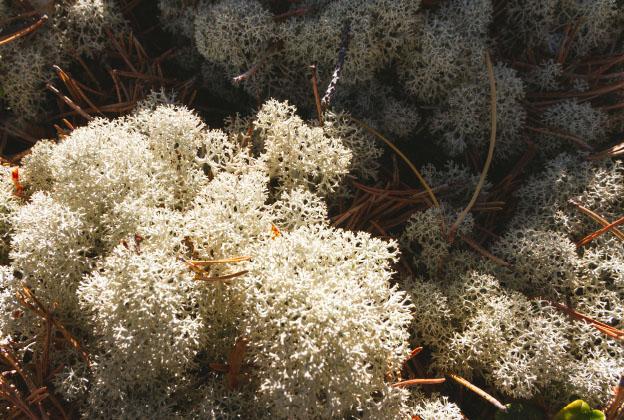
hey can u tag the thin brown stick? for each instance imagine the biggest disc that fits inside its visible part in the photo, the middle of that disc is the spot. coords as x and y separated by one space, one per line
71 84
25 31
317 98
599 232
203 263
409 163
597 218
487 397
600 326
617 401
412 382
68 101
488 160
474 245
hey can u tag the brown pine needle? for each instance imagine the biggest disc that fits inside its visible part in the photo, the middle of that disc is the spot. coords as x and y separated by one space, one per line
203 263
254 68
599 232
73 86
27 298
317 98
295 12
600 326
613 151
402 156
69 102
618 400
413 354
412 382
25 31
597 218
490 154
474 245
552 132
487 397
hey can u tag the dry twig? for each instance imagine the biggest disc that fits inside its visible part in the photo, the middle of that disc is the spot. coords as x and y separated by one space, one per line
487 397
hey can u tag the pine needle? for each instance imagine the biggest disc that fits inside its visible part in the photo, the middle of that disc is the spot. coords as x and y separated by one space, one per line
25 31
488 160
599 232
396 150
487 397
412 382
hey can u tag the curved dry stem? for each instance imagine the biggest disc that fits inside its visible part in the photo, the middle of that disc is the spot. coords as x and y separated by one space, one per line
488 160
396 150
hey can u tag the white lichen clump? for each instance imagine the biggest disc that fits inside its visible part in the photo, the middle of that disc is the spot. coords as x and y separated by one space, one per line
105 236
496 320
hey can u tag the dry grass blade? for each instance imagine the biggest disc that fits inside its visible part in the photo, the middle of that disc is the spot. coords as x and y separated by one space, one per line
599 232
490 154
411 382
25 31
487 397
